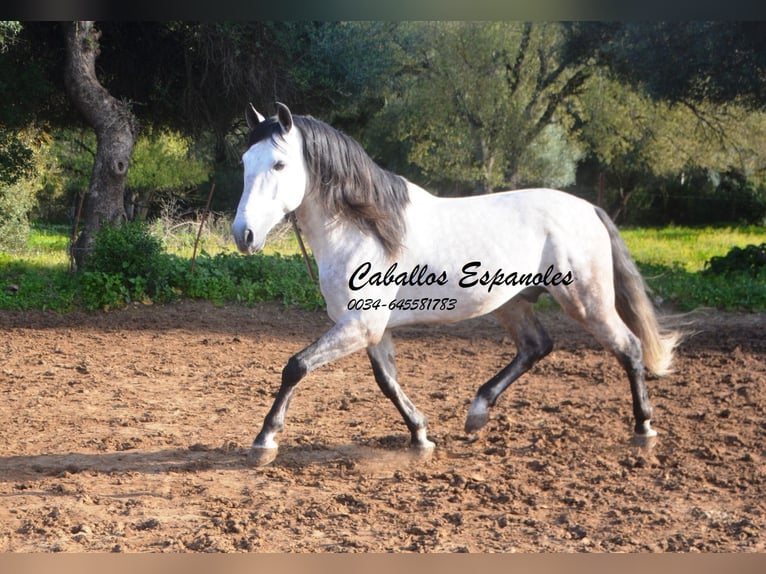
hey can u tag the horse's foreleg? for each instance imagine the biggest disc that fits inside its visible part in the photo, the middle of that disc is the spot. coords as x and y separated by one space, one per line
384 369
532 343
343 339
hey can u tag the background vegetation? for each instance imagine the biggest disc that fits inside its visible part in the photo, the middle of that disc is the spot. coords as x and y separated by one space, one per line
662 124
684 267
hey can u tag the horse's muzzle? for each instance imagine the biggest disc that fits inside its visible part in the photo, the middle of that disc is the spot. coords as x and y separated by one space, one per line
244 237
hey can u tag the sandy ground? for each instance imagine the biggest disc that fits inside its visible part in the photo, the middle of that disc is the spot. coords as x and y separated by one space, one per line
127 432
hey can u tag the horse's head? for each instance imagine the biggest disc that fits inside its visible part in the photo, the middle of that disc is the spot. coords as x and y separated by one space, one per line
275 177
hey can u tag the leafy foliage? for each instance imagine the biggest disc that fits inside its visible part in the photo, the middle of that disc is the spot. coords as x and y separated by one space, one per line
125 264
15 158
676 261
750 260
17 195
128 249
15 203
484 105
687 290
252 279
685 61
669 116
128 264
668 163
163 165
672 259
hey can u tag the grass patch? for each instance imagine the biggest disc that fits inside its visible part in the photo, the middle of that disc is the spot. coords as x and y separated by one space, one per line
675 262
686 291
686 247
27 285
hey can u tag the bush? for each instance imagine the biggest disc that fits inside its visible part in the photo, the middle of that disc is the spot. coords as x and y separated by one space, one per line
750 259
19 158
15 204
253 278
128 249
688 290
126 264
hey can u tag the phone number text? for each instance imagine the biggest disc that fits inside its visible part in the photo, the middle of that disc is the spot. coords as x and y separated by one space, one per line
421 304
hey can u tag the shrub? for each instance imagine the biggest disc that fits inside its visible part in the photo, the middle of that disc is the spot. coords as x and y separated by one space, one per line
750 259
128 249
20 155
126 264
15 203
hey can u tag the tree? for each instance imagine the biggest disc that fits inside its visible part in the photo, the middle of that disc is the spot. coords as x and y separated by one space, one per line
162 168
483 104
692 62
192 78
646 148
116 131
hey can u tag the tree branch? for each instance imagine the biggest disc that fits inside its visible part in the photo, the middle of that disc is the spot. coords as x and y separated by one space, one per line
513 73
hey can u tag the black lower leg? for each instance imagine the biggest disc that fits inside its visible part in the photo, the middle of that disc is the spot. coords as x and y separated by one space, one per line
384 370
642 408
530 351
493 388
292 373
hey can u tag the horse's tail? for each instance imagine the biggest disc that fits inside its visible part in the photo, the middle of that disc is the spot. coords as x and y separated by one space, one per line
635 307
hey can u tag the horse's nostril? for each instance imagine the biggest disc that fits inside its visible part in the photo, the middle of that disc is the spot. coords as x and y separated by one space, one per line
249 238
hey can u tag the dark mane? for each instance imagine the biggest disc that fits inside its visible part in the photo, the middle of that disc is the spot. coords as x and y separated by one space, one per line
348 182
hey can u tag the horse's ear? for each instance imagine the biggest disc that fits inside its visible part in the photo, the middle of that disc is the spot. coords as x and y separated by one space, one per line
285 117
253 117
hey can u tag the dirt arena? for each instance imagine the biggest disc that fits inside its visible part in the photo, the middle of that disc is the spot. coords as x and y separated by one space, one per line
127 432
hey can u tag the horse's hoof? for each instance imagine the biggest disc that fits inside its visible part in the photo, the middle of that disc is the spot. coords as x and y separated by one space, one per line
474 422
426 447
478 416
646 438
420 442
421 452
261 456
421 448
643 441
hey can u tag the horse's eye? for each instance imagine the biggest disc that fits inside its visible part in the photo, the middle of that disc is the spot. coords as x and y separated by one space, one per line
279 166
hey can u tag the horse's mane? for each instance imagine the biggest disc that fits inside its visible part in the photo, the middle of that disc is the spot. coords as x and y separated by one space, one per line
348 182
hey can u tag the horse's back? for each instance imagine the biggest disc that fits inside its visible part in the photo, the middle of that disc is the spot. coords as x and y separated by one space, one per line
514 220
492 247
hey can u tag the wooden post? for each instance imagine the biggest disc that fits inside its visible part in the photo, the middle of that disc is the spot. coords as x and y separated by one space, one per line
201 224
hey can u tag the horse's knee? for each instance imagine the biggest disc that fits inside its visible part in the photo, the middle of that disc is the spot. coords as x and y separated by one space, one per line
532 349
544 345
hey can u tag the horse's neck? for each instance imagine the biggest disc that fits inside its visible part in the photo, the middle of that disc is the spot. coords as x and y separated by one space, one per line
337 238
327 237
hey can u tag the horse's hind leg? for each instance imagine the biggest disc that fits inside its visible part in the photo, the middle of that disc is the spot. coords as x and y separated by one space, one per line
603 321
614 335
532 343
384 369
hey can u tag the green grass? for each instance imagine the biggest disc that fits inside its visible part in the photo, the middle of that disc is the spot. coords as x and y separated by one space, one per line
39 277
672 259
688 248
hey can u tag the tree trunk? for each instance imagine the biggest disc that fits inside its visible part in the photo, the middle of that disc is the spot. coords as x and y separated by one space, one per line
116 131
